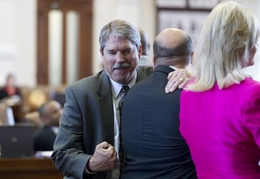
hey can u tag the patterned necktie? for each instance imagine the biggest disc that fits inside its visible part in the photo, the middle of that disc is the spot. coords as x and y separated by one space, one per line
124 90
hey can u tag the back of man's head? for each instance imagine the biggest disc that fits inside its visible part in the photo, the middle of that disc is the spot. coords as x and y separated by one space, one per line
50 113
173 47
145 42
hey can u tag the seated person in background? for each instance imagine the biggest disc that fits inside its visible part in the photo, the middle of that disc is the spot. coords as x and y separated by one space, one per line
10 89
10 95
152 144
144 59
44 138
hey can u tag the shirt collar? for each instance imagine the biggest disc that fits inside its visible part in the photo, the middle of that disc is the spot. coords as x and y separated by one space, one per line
173 67
116 87
55 129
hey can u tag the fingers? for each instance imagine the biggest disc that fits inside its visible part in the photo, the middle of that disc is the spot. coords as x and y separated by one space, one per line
177 79
114 154
104 145
183 84
113 159
171 74
171 86
104 158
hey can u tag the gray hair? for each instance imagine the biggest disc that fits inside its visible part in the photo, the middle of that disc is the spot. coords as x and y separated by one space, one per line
120 29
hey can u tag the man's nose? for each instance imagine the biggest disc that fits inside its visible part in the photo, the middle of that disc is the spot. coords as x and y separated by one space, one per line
120 57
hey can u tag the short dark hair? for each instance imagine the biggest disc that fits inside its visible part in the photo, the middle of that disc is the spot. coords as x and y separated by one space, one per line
182 49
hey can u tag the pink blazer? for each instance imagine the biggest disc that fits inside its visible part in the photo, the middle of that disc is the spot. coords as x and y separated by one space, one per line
222 129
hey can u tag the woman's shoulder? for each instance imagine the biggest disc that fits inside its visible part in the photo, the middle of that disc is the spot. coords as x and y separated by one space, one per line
250 84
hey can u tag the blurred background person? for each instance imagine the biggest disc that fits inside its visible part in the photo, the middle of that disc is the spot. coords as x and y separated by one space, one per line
10 88
145 58
10 95
220 108
50 113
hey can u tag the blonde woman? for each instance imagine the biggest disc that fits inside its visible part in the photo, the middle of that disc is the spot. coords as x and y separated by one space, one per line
220 107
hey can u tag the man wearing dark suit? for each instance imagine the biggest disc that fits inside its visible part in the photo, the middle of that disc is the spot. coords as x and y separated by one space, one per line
49 113
152 144
87 143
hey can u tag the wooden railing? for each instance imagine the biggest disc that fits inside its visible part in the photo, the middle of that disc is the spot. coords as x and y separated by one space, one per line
28 168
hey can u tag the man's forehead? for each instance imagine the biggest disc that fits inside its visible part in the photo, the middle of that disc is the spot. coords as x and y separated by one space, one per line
119 46
113 38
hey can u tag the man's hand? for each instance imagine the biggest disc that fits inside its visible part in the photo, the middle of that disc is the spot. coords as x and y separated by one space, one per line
177 79
104 158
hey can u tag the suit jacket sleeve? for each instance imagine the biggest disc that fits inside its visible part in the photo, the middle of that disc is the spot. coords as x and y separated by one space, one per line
68 154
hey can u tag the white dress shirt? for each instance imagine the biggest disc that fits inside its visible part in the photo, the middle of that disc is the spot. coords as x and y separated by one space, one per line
116 88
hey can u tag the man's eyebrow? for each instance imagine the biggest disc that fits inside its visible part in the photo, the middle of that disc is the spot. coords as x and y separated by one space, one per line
127 48
110 50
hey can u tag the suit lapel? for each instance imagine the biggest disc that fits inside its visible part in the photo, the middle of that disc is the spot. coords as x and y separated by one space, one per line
106 107
143 73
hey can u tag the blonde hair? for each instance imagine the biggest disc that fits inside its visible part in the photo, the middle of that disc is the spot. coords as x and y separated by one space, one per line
229 33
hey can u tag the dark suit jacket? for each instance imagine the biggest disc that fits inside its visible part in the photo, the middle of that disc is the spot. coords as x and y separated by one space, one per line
44 139
87 120
152 144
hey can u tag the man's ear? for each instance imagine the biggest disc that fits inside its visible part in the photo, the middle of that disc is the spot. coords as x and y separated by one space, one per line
101 52
140 51
45 120
154 62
